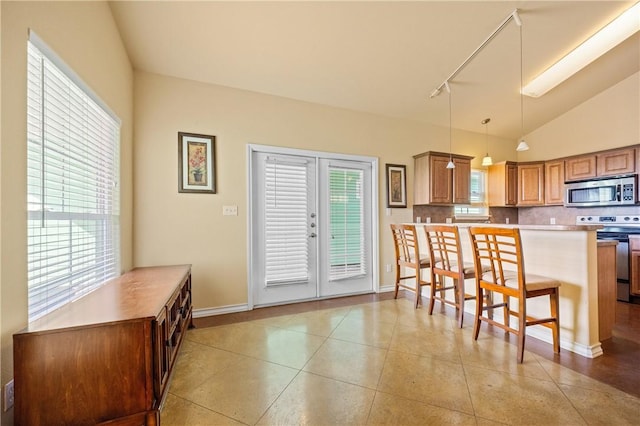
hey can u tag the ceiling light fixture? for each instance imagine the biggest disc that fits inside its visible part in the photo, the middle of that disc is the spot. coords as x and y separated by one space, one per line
513 15
614 33
487 160
450 164
522 145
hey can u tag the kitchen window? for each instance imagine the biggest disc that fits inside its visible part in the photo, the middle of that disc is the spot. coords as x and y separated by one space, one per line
73 226
477 209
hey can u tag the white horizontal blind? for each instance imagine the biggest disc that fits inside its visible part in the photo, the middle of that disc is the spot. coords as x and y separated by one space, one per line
286 222
346 222
477 196
477 193
72 188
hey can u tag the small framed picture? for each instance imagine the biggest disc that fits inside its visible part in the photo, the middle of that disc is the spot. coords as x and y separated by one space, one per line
396 185
196 163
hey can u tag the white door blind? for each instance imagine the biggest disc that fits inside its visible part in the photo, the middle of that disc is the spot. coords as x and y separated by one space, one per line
72 190
286 222
346 222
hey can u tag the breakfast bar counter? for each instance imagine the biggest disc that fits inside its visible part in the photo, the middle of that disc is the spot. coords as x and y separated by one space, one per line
568 253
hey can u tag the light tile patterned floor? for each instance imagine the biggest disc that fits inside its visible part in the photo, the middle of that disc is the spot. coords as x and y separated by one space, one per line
376 363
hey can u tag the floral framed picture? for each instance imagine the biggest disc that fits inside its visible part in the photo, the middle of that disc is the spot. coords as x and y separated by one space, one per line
196 163
396 186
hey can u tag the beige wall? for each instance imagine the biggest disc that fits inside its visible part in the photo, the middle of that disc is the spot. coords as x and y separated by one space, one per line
189 228
84 35
610 119
174 228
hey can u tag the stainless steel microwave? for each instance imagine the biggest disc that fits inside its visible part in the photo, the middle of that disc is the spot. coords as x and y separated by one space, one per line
618 191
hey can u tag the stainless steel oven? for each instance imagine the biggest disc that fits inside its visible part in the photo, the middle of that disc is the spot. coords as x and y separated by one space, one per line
617 228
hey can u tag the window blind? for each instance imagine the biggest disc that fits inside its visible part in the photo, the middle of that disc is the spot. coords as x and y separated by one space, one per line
286 222
72 186
346 222
477 197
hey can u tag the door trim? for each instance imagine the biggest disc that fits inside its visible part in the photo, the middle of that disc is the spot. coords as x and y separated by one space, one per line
375 221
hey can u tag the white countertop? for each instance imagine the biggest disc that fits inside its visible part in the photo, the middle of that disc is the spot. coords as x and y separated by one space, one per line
523 227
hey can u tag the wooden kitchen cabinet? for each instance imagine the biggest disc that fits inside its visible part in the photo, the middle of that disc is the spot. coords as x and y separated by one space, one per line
435 184
634 264
554 182
608 163
617 162
503 184
531 184
607 288
580 168
462 181
108 356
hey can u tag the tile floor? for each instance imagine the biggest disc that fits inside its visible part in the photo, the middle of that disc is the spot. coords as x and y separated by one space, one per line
380 362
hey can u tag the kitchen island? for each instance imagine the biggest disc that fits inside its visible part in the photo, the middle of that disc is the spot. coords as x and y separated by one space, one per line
568 253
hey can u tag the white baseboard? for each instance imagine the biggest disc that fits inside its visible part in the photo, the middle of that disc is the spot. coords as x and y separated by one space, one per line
230 309
544 334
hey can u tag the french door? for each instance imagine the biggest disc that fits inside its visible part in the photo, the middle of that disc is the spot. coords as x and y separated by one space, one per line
311 226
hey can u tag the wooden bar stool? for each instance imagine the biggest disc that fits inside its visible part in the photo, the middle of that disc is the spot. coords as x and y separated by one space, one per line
405 240
444 245
501 250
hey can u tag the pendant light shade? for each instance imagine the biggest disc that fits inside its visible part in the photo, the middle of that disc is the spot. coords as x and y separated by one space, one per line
522 146
487 160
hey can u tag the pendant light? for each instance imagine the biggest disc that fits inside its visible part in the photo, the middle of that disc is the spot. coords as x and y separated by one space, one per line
487 160
450 164
522 145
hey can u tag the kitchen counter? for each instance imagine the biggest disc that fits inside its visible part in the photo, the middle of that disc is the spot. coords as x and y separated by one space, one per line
526 227
568 253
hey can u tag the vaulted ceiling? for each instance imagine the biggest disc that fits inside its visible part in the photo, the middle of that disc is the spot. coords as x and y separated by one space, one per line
382 57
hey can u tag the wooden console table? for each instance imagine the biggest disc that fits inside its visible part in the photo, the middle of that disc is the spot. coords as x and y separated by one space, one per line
107 357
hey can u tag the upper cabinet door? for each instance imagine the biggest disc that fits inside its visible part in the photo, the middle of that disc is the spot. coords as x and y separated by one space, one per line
530 184
554 182
619 162
462 181
580 168
441 181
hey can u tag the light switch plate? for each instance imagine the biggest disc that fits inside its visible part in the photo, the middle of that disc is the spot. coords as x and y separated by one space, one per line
230 210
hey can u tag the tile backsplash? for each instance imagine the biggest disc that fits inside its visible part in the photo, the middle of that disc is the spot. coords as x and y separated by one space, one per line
526 215
567 215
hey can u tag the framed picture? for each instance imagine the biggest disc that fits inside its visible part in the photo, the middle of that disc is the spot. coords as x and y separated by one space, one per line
196 163
396 185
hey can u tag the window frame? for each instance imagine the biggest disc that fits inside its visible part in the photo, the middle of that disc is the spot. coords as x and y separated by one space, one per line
73 174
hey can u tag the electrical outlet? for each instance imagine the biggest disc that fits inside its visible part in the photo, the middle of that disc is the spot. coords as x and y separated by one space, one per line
552 220
9 395
388 267
230 210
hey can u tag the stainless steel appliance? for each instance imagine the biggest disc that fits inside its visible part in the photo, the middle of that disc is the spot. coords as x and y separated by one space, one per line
617 228
617 191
